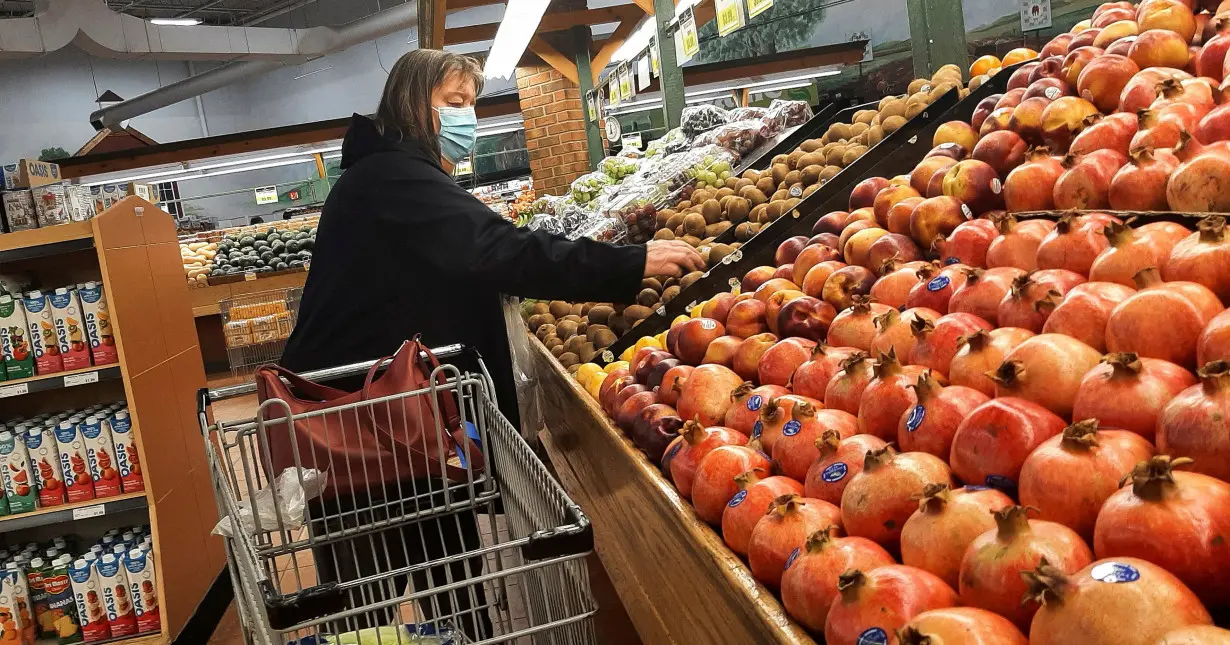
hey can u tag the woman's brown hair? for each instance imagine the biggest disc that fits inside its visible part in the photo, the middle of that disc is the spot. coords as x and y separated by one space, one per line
405 106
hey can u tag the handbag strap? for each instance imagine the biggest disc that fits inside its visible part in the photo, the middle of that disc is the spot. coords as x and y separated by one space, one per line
271 375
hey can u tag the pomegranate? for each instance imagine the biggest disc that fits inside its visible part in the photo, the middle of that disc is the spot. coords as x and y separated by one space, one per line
1129 392
939 341
878 501
776 413
1017 245
992 565
705 395
1112 132
1072 245
750 503
698 441
887 396
1203 258
1103 78
1196 635
714 483
968 243
983 291
896 332
1034 296
1083 312
746 402
1162 320
893 289
1214 342
1141 91
1068 477
960 626
779 361
936 536
1201 184
982 352
1141 185
672 384
782 529
1046 370
993 441
845 389
1130 251
936 286
1213 125
874 604
1086 184
746 361
1110 602
796 450
809 583
1194 423
855 327
930 424
1164 128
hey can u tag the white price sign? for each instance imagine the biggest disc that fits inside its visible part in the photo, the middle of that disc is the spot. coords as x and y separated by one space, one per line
14 390
689 42
80 379
729 16
463 167
86 512
757 7
1035 14
267 195
632 140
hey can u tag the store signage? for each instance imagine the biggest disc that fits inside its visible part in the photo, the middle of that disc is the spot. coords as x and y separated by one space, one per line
757 7
632 140
612 91
293 195
687 34
626 90
463 167
655 58
862 34
613 130
591 105
642 73
267 195
1035 14
729 16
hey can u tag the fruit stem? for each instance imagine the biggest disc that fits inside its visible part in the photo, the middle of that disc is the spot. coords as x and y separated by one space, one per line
1048 301
1215 376
911 636
745 388
784 505
1123 364
1081 435
1020 284
1004 222
1212 229
1118 234
925 272
1064 225
920 326
1007 374
1147 277
692 432
820 539
927 387
828 442
745 480
1045 584
934 497
976 340
862 305
1141 155
849 583
802 411
885 320
770 410
876 458
972 275
888 365
1153 477
1011 522
853 361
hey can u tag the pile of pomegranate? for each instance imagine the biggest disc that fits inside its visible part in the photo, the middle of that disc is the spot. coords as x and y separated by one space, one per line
936 421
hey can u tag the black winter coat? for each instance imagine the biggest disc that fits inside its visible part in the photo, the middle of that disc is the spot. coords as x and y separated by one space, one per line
401 249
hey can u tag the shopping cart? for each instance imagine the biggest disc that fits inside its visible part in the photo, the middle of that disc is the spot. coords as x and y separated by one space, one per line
365 571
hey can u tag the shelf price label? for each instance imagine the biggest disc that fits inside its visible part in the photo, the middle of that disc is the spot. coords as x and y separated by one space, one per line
612 92
729 16
688 40
655 64
591 105
626 89
757 7
267 195
80 379
86 512
14 390
463 168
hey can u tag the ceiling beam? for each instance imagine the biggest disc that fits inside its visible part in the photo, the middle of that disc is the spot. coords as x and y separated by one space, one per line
458 5
645 5
609 46
551 56
550 22
426 23
439 11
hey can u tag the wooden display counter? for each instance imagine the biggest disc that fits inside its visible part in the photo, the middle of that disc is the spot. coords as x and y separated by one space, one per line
676 578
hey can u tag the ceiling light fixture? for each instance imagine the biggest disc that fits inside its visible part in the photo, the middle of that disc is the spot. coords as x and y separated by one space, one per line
521 18
759 84
175 22
162 176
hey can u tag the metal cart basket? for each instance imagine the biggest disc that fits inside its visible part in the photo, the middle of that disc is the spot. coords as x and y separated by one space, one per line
497 558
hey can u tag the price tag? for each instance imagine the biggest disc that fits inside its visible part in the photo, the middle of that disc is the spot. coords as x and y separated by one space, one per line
267 195
733 282
80 379
14 390
687 30
86 512
607 356
249 276
463 167
1035 14
632 140
626 89
654 59
661 310
592 106
757 7
307 265
642 73
612 92
729 16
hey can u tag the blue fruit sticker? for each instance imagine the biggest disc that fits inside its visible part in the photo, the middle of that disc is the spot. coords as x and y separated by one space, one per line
1114 573
952 260
1002 483
916 418
757 429
674 450
835 472
791 428
737 499
794 555
754 402
977 487
938 282
873 636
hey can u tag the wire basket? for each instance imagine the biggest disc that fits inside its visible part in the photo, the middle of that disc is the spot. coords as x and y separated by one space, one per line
256 327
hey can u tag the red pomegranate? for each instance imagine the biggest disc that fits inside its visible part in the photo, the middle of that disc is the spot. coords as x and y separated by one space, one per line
1083 312
939 342
855 327
1141 184
1131 251
1086 184
782 529
982 292
840 460
714 483
1203 258
845 390
698 441
1129 392
982 352
878 501
746 402
1068 477
1113 132
1110 602
873 605
935 537
1214 341
894 287
992 442
1046 369
992 565
705 395
936 286
929 425
960 626
1017 245
796 450
1073 245
750 503
887 396
778 363
1031 185
1195 423
1196 635
809 583
1162 320
778 412
968 243
896 331
1034 296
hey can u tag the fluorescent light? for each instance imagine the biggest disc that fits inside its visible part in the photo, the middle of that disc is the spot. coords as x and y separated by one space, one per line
637 42
791 86
521 18
630 104
175 22
501 124
163 175
489 133
750 86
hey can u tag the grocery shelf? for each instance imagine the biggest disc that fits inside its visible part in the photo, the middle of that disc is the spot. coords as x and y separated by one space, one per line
40 242
59 380
155 638
73 512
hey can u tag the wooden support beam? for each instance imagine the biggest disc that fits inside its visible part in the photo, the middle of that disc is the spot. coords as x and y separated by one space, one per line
439 11
458 5
550 22
551 56
645 5
609 46
426 23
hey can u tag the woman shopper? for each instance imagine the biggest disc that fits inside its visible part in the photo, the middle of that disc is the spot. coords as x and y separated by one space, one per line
402 250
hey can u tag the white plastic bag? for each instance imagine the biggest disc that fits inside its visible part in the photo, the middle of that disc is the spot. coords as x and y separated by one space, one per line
292 499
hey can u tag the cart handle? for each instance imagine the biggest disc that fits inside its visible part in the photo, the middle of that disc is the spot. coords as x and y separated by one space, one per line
309 604
574 539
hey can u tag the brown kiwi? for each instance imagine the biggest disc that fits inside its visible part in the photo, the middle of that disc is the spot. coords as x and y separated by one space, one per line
809 190
895 107
719 251
774 211
731 182
792 160
779 173
724 192
875 135
716 229
619 325
852 154
652 283
664 234
637 312
858 128
647 297
892 123
811 175
690 278
766 184
586 307
544 331
574 344
779 196
588 353
756 196
757 214
670 293
568 359
679 232
538 320
839 131
835 155
811 145
603 337
541 308
917 84
782 159
737 209
829 172
812 159
743 232
675 221
711 210
751 175
557 349
694 223
566 329
694 240
742 183
792 177
576 309
559 308
700 195
684 205
600 314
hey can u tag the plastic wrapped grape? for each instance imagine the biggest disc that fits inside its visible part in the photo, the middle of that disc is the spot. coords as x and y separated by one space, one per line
696 119
587 188
739 137
546 223
786 114
617 168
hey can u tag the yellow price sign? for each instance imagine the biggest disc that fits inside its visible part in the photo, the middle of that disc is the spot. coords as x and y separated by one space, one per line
757 7
687 30
729 16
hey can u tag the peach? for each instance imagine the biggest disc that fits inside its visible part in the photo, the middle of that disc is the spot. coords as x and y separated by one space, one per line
998 120
747 356
864 194
1020 78
925 170
718 307
899 214
858 247
1047 68
779 362
1121 47
695 337
984 109
806 317
1050 87
772 286
1116 31
785 271
976 184
1076 61
1159 48
832 222
934 219
722 351
1063 118
1102 81
1084 39
984 65
774 304
1026 119
810 257
1011 98
888 197
747 319
789 249
1018 55
958 132
813 284
892 246
756 277
1003 151
841 287
1057 47
855 227
954 151
1107 18
1169 15
1210 61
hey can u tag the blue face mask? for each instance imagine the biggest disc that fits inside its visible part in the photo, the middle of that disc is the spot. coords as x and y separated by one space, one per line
458 127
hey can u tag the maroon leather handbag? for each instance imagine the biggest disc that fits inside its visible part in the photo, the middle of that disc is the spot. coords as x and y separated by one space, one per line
368 446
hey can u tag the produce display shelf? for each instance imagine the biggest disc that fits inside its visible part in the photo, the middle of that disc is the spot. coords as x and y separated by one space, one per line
655 548
42 242
139 639
59 380
251 276
73 512
787 139
205 300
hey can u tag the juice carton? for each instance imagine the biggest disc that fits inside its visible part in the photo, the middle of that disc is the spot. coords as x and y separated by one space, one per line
113 577
46 348
50 204
18 360
45 455
126 457
19 213
25 608
39 598
70 330
11 628
98 324
61 602
73 462
100 455
18 476
143 584
87 591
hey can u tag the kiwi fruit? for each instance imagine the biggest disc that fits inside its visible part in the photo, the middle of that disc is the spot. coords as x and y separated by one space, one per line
619 325
774 211
574 344
586 307
544 331
779 173
917 84
811 174
864 117
699 196
829 172
742 232
568 359
588 353
541 308
711 210
858 129
690 278
694 240
811 159
694 223
892 124
576 309
538 320
810 189
792 161
914 110
839 131
895 107
780 159
637 312
853 153
573 317
600 314
756 196
670 293
757 214
765 184
875 135
559 308
647 297
716 229
737 209
836 155
731 182
751 175
725 192
720 251
664 234
603 337
743 183
790 204
566 329
675 221
811 145
557 350
779 196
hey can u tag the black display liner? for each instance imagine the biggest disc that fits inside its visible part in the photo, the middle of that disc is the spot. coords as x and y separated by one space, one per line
897 154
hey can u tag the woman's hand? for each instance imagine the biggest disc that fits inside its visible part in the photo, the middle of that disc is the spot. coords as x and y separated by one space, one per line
671 258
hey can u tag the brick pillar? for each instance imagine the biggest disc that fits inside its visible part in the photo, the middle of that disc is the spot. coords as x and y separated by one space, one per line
554 116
